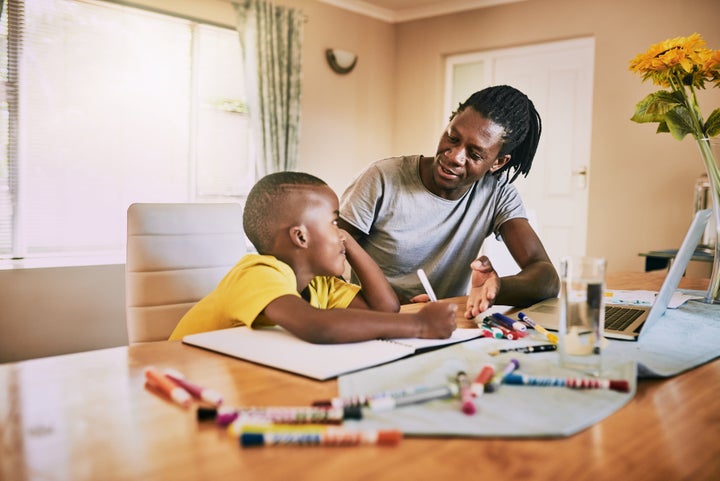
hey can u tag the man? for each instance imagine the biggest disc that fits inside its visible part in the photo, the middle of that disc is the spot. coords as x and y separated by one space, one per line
435 212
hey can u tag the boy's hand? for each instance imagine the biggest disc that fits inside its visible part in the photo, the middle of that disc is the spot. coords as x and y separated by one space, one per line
437 320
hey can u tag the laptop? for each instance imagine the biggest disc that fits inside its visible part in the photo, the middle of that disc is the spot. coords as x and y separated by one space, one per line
630 322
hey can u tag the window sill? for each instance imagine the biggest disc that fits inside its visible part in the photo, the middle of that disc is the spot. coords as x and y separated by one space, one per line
76 260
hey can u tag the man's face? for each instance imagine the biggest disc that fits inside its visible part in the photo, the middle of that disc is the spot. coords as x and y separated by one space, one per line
468 149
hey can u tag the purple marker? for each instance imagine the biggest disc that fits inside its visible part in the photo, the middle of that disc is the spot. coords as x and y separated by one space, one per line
498 379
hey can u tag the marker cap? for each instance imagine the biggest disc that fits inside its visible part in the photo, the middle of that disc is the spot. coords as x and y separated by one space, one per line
389 437
206 413
252 439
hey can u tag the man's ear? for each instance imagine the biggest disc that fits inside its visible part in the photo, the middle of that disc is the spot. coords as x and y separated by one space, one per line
298 236
500 163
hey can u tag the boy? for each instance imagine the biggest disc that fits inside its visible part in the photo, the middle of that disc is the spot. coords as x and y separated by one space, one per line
293 281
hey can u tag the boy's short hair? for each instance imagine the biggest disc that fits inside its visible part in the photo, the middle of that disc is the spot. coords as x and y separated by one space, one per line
266 201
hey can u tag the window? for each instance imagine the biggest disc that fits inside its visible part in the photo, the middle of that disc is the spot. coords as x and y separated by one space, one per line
114 105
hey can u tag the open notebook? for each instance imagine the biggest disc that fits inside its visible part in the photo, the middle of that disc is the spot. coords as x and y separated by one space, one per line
632 321
275 347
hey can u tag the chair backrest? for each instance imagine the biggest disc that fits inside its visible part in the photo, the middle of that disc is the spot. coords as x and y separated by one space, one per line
176 254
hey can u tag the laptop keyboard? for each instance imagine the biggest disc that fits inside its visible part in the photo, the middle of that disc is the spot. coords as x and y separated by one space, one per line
618 318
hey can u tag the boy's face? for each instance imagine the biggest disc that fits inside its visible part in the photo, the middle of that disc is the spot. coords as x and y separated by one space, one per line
326 242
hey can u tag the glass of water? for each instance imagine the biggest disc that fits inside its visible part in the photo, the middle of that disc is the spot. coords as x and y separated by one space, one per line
582 313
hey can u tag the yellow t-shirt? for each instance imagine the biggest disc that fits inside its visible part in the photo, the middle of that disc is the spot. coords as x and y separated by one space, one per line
254 282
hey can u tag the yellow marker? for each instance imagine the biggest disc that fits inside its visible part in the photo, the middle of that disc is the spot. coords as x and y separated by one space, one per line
548 335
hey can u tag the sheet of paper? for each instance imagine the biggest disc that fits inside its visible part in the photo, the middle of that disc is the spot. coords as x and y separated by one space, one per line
644 298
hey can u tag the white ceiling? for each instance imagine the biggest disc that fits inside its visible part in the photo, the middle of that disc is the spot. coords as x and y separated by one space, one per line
403 10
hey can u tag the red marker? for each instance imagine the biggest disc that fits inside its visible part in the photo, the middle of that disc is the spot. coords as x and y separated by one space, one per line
483 377
204 394
169 388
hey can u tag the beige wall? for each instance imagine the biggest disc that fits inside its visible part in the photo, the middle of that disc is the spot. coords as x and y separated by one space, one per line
640 186
641 183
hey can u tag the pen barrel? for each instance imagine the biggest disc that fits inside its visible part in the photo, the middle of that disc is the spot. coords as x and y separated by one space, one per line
509 322
289 414
168 387
388 403
326 437
570 382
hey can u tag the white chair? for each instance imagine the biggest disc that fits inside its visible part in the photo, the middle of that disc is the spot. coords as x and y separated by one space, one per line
176 254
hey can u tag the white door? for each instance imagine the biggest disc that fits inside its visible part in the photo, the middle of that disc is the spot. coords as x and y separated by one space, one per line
557 77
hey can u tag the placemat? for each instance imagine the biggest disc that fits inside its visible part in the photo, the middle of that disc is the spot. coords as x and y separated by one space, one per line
511 411
682 339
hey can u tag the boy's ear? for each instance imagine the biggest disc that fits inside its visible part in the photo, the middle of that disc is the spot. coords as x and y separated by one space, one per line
298 235
500 162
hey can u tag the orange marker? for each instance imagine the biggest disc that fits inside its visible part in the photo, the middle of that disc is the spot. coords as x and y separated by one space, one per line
169 388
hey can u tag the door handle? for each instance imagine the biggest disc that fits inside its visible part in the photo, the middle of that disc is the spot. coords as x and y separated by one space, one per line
581 177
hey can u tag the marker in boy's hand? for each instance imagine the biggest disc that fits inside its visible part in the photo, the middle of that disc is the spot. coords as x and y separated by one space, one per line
437 320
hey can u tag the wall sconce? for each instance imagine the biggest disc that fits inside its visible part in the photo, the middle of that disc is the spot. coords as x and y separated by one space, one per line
340 61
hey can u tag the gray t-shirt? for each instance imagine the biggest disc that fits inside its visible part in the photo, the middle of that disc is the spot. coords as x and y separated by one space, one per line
408 227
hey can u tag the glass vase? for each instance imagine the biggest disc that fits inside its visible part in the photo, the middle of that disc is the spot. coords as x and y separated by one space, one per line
710 152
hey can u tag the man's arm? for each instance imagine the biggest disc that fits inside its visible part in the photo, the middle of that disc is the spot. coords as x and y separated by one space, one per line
536 280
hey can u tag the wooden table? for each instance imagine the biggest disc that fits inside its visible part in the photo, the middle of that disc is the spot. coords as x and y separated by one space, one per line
88 416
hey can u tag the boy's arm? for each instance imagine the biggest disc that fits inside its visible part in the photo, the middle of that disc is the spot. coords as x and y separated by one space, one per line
435 320
376 293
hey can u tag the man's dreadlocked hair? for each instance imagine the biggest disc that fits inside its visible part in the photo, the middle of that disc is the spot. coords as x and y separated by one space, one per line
515 112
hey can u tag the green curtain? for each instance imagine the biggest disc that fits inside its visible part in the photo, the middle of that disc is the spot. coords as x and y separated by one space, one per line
271 39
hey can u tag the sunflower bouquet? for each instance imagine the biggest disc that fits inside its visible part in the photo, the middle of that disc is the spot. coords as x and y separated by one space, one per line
682 65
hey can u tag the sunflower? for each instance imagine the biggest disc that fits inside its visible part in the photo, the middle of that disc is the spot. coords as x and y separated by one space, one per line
682 65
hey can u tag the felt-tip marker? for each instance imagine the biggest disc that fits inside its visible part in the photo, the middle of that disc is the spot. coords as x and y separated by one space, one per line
498 378
204 394
572 382
466 397
430 394
426 284
323 437
548 335
160 381
484 376
224 415
526 349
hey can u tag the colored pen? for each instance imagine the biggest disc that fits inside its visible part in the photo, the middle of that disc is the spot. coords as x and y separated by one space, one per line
251 425
439 392
224 415
204 394
426 284
526 349
498 378
169 388
507 332
488 332
364 399
483 377
466 397
548 335
322 437
509 322
571 382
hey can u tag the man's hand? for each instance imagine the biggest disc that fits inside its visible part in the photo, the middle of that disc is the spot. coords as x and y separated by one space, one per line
420 298
484 287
